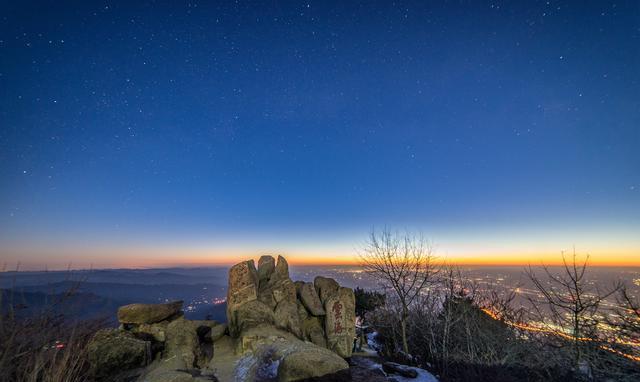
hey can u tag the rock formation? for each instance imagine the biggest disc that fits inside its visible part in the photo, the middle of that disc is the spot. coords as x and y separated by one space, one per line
148 313
310 299
113 351
339 324
321 312
154 343
243 287
296 331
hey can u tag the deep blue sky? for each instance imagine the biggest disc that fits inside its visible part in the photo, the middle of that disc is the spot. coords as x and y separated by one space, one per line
301 125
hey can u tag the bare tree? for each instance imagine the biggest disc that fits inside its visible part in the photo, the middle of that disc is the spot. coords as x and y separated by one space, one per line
572 304
626 318
403 263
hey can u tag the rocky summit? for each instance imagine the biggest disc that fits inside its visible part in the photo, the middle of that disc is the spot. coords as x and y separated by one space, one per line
277 330
267 295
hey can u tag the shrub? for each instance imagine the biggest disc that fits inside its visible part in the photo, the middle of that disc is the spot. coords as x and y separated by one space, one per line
43 347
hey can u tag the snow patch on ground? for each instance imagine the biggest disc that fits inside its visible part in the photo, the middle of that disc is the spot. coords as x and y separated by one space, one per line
244 366
257 367
373 347
268 370
371 341
423 376
371 364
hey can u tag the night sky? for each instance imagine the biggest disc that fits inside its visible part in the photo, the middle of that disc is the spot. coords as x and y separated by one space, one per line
176 133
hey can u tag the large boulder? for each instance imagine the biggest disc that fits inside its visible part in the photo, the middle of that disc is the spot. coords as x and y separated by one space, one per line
182 341
252 339
251 314
265 296
279 286
243 287
302 311
295 360
310 299
284 290
112 352
148 313
277 290
321 312
282 269
309 361
340 321
313 331
287 318
266 267
325 287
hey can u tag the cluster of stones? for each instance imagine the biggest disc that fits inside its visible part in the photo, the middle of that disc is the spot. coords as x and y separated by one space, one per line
277 329
155 343
321 312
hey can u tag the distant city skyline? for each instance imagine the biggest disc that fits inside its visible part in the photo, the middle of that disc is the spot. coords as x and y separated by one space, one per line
143 134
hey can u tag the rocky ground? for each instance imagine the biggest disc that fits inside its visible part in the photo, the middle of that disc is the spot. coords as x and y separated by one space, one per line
366 369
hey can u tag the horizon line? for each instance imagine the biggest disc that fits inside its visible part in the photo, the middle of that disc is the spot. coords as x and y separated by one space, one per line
193 265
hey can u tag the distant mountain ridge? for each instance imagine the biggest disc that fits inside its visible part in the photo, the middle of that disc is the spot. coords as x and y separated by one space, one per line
181 276
98 293
76 306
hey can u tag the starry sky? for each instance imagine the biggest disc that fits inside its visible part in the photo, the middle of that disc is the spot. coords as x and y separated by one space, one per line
168 132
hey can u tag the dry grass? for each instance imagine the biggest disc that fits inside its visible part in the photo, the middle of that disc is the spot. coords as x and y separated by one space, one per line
46 347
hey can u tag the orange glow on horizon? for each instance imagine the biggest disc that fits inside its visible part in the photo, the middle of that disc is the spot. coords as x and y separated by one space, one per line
145 257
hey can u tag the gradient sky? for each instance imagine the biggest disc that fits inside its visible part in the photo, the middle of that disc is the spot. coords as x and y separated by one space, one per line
198 132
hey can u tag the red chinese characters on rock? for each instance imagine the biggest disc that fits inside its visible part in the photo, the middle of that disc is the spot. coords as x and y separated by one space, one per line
337 314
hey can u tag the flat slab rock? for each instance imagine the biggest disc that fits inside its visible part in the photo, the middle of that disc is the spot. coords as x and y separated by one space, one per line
148 313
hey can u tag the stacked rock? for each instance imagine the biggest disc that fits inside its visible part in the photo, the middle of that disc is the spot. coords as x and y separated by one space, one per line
321 312
155 336
291 331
